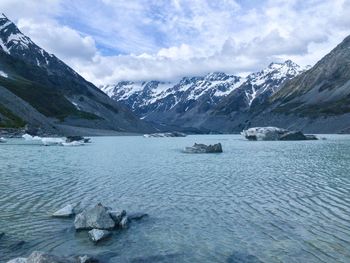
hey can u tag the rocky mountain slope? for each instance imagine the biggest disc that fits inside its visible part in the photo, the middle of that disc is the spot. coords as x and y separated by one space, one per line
38 88
317 100
186 103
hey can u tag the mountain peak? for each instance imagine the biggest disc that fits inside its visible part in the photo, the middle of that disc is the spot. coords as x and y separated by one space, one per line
11 38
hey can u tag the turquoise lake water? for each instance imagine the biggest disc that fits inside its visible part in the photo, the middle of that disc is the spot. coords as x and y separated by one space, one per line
256 202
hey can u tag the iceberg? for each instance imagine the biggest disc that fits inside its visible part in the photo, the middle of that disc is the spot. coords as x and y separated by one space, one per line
52 141
73 143
29 137
274 134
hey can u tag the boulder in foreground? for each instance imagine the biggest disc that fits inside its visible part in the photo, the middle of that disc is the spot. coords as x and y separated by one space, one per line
203 148
275 134
66 211
97 235
97 217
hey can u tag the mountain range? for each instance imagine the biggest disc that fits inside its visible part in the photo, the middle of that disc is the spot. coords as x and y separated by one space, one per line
39 89
188 102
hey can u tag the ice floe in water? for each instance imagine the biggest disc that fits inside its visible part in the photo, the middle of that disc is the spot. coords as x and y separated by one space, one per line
29 137
74 143
49 141
52 141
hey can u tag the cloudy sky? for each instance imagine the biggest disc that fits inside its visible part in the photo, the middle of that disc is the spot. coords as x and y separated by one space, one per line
111 40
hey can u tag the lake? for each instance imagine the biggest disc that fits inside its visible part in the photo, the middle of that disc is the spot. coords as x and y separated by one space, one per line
256 202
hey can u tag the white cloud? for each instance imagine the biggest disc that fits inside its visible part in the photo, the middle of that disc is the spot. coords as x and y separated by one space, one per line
64 42
171 39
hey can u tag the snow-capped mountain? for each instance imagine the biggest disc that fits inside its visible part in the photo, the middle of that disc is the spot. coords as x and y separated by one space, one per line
149 97
35 85
259 86
182 103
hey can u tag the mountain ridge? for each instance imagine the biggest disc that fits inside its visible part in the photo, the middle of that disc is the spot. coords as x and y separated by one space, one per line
54 89
186 102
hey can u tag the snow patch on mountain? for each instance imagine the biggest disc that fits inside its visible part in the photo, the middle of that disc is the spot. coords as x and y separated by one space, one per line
3 74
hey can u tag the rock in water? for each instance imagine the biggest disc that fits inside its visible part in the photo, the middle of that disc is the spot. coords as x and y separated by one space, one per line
124 223
165 134
87 259
2 140
98 235
117 215
74 138
18 260
293 136
40 257
137 216
96 217
202 148
66 211
275 134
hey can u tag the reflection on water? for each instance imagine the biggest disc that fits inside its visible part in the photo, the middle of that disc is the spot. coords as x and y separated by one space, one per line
256 202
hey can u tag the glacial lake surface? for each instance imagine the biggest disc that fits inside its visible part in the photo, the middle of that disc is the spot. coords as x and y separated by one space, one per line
256 202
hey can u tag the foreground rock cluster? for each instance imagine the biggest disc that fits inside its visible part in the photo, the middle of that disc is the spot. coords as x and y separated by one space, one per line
100 222
275 134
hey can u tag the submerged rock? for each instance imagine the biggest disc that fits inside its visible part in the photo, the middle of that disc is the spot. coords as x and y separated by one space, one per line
2 140
66 211
117 215
202 148
87 259
97 235
1 234
97 217
41 257
275 134
18 260
124 223
74 138
137 216
165 134
77 139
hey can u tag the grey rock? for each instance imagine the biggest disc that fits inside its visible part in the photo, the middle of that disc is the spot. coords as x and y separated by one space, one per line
18 260
87 259
202 148
117 215
96 217
124 223
40 257
165 134
66 211
297 136
97 235
137 216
